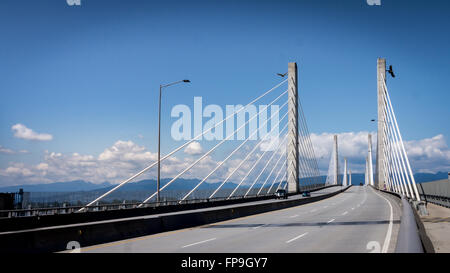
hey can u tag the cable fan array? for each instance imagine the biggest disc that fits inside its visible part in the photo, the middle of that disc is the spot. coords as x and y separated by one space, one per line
257 180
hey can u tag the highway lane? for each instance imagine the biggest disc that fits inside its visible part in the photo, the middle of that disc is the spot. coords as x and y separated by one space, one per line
358 220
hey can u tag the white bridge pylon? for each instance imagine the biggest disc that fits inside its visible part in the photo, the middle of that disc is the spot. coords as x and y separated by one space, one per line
393 168
368 175
334 177
333 169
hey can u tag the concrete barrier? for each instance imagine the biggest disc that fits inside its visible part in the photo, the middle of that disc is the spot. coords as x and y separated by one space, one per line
412 237
408 240
53 239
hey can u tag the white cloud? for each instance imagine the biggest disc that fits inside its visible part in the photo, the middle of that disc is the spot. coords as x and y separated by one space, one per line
4 150
194 148
429 154
425 155
126 151
125 158
351 145
270 143
115 164
17 169
21 131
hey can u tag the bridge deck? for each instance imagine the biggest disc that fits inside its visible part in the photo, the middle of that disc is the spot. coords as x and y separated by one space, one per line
352 221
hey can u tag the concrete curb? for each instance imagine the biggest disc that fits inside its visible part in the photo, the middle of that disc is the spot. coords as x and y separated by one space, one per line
408 236
53 239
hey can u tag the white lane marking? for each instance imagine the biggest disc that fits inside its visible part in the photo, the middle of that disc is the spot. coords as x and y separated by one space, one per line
293 216
199 242
260 226
325 207
313 210
387 240
345 213
298 237
330 221
374 246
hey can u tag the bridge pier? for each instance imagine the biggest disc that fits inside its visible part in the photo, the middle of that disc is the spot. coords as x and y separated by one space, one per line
292 147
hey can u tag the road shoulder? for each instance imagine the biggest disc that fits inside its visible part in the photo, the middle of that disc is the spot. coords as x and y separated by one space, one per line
437 227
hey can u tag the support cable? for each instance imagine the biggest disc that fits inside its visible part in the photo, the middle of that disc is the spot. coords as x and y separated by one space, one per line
399 154
205 155
278 174
247 157
390 165
234 151
309 183
312 153
396 161
274 167
402 145
179 148
267 164
248 173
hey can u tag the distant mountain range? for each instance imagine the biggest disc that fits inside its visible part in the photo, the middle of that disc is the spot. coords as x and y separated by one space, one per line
77 185
418 177
144 185
428 177
180 184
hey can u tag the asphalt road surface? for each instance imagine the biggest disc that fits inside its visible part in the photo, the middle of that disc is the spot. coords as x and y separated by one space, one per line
360 219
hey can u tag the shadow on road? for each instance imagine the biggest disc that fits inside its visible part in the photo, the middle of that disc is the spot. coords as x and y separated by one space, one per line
313 224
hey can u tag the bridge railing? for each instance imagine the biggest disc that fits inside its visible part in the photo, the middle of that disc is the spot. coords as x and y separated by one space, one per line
117 206
436 192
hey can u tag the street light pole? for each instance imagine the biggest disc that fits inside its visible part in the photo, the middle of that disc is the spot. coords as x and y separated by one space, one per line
159 145
159 137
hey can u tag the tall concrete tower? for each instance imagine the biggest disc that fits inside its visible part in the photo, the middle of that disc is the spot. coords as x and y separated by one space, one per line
292 147
344 180
366 173
336 160
380 172
349 177
370 160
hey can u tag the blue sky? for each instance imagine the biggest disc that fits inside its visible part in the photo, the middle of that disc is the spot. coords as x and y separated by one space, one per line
89 75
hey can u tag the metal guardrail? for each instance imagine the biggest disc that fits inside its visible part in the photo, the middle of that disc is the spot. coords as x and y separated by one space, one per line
436 192
115 206
436 199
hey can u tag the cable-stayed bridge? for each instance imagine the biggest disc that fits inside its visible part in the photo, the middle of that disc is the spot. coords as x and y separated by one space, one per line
317 216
